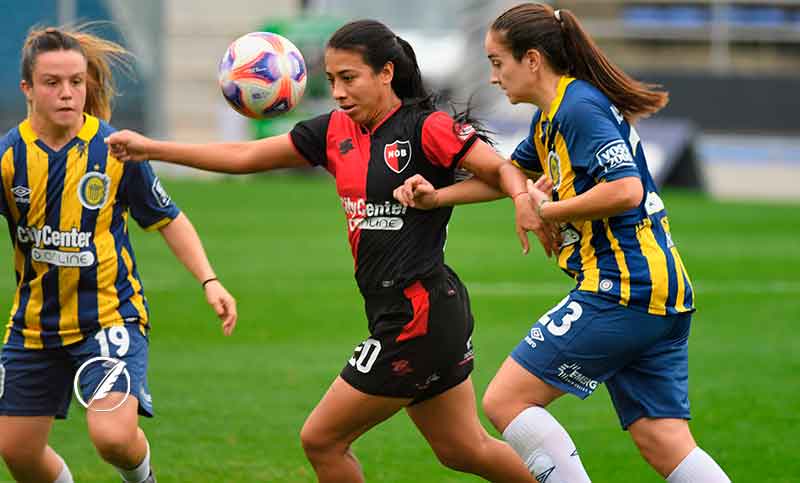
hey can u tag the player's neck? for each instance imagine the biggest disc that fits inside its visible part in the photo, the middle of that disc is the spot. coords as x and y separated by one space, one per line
548 91
54 136
391 104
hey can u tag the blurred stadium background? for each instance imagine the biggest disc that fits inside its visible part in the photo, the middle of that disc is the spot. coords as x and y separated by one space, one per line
726 150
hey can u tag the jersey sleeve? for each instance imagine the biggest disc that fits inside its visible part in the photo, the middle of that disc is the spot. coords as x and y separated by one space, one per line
5 151
310 139
142 192
525 156
445 141
595 142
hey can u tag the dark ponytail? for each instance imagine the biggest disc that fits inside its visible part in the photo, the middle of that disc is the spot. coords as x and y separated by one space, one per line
379 45
559 36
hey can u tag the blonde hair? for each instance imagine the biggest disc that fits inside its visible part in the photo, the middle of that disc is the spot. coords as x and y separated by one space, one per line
100 54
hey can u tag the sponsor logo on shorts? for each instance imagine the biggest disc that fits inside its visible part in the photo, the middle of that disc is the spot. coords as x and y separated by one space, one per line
534 335
402 367
2 380
606 285
114 369
571 374
430 380
469 354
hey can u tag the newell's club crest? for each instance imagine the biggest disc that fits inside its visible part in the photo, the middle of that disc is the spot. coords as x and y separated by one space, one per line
397 155
93 190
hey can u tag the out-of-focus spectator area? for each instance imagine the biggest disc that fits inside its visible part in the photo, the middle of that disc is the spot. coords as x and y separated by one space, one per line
732 69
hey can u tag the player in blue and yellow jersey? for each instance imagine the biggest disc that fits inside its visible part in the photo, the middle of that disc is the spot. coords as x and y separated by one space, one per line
79 295
627 320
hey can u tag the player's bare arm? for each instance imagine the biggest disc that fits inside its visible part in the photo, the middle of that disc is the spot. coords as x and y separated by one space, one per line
235 158
184 242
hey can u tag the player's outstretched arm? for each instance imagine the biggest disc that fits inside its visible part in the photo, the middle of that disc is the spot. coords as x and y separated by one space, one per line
235 158
184 242
417 192
601 201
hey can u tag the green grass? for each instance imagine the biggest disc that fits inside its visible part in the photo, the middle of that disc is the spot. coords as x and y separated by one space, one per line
230 409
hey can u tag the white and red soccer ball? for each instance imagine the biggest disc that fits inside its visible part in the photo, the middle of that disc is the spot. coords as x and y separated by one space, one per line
262 75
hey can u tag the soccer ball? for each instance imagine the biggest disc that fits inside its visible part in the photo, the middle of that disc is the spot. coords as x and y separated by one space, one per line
262 75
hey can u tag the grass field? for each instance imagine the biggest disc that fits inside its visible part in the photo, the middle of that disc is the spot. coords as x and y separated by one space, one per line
230 409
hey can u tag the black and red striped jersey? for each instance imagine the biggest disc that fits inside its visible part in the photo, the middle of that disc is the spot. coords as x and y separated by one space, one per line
392 245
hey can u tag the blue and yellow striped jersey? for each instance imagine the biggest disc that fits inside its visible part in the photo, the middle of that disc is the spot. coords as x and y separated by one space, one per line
629 258
67 214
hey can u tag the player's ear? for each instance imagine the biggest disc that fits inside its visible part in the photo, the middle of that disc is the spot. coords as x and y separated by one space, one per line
26 89
387 73
532 60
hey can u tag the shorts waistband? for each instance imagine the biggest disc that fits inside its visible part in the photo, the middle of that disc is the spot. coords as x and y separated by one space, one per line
429 281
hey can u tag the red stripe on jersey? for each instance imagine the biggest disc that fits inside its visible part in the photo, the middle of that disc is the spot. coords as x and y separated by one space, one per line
420 300
349 167
443 139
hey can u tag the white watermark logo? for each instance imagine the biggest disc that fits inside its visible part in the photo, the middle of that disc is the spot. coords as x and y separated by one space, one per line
114 369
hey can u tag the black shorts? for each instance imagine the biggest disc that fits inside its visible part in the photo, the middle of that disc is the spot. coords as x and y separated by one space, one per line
420 342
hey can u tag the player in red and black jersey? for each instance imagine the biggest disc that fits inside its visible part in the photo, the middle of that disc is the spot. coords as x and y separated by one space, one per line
419 354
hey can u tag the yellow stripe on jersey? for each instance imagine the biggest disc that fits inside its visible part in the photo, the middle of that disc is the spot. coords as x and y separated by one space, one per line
657 263
561 89
136 300
7 170
159 224
7 166
624 272
37 182
107 299
68 277
591 274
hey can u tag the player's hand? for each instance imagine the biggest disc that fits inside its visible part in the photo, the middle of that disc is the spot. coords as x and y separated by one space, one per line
224 305
417 192
528 219
129 146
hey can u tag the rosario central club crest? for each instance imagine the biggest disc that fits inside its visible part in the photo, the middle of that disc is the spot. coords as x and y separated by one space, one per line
397 155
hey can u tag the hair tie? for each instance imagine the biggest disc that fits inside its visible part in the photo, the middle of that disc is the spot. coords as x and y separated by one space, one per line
557 15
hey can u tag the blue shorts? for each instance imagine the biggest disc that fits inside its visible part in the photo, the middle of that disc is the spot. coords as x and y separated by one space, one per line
586 340
39 382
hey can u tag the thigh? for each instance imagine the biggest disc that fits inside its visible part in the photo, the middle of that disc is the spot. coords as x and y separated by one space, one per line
345 413
114 418
585 340
96 360
656 383
449 419
26 435
35 382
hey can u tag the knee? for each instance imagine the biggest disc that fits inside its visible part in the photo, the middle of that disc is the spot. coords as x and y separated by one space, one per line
315 444
498 409
459 457
114 444
658 439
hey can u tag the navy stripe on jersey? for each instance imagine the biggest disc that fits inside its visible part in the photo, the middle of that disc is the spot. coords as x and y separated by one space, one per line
21 179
